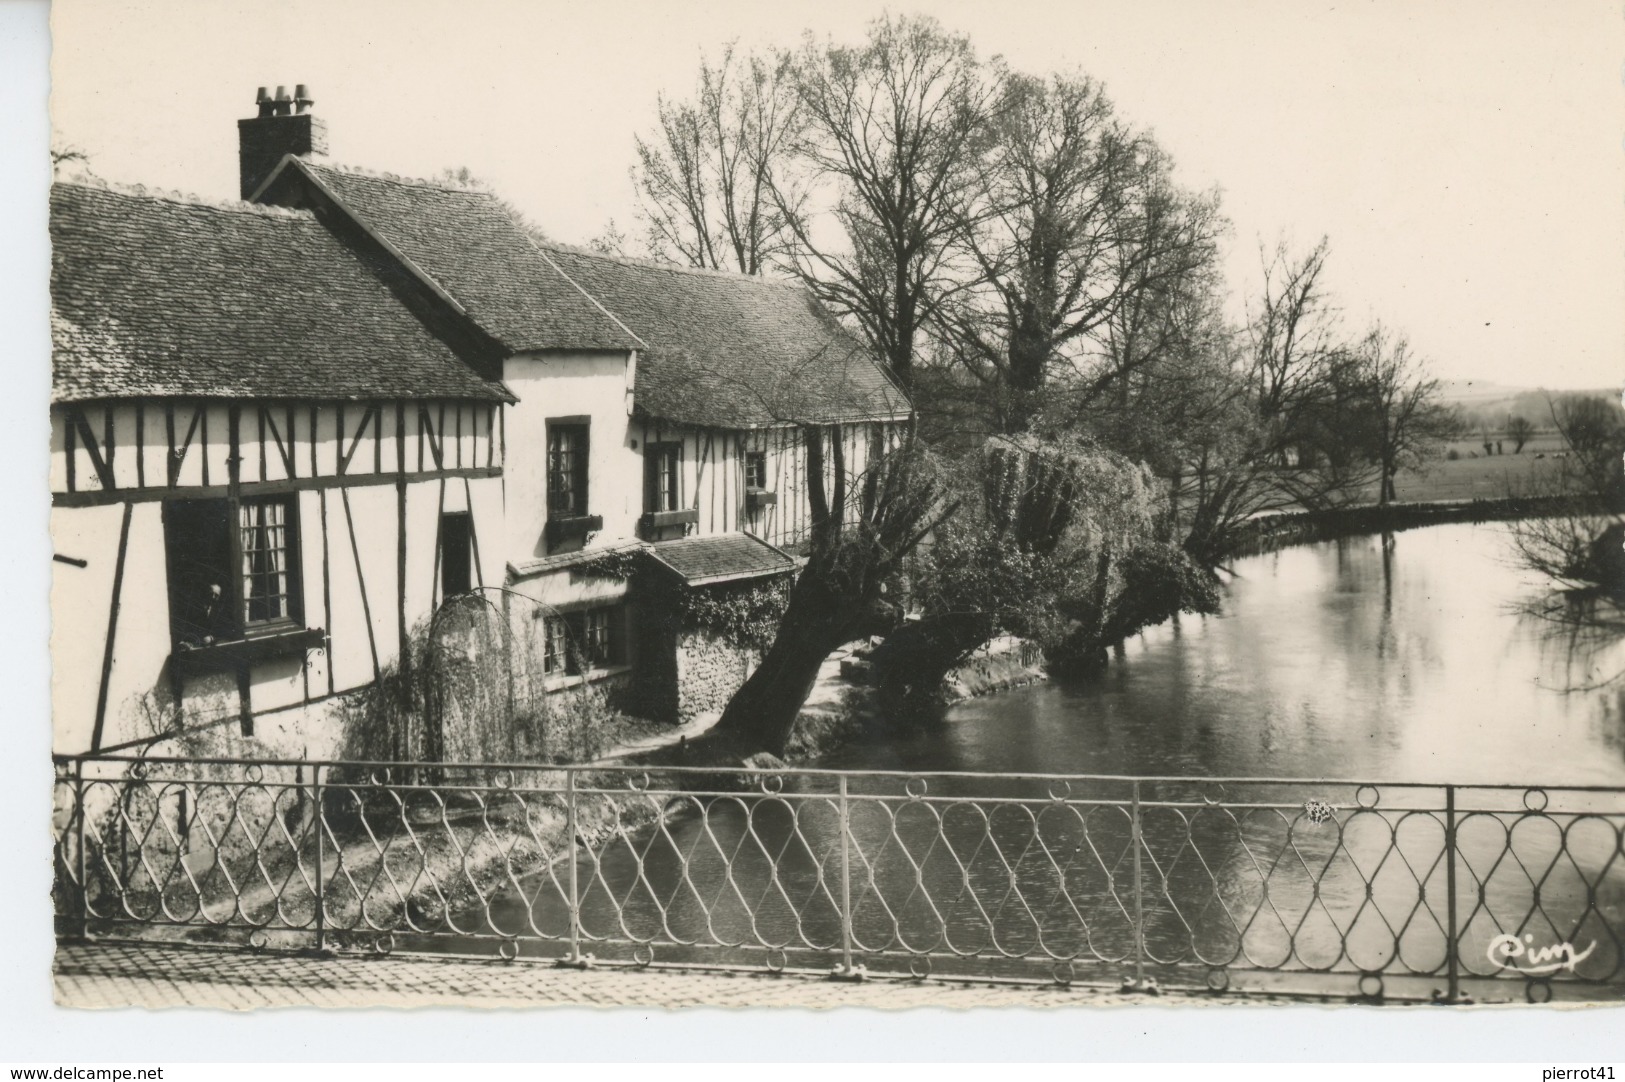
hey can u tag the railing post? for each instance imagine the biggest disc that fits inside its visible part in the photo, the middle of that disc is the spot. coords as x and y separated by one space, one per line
1139 982
1452 946
575 957
318 821
846 970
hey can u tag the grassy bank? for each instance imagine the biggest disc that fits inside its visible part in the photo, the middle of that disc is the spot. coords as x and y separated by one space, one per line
1474 475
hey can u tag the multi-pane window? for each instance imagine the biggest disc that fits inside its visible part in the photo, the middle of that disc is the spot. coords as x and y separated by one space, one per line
232 567
661 465
556 653
756 470
566 468
267 580
581 641
597 636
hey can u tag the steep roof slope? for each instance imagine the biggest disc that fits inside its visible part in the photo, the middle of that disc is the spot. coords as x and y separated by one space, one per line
159 295
717 349
732 350
474 250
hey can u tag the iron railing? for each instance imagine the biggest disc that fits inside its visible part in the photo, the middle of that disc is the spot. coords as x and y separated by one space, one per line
1338 888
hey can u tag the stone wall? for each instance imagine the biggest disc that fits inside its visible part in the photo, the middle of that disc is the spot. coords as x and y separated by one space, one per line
709 671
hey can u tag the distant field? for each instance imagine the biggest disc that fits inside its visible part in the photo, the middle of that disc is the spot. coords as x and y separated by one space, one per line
1475 476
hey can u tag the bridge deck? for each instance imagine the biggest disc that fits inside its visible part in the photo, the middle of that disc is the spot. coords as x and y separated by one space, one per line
122 975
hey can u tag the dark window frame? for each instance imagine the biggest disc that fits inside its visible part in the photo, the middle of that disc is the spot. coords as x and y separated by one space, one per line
585 641
662 466
568 467
217 539
456 541
756 459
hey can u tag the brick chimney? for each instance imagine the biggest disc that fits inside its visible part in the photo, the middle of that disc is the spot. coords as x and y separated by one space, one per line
285 125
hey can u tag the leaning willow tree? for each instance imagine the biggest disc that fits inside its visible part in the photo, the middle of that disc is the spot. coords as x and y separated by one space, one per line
1059 541
863 529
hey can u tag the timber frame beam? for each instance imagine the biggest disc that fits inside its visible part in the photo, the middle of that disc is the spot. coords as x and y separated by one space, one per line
102 497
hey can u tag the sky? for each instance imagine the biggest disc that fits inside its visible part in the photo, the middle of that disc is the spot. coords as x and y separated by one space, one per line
1466 159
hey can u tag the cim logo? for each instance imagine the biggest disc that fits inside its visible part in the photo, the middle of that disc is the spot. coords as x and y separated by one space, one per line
1506 950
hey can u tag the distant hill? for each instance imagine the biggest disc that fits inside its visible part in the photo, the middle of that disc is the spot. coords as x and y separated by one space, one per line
1493 403
1473 391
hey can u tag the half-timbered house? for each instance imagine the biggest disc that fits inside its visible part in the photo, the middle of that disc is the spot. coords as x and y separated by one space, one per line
264 468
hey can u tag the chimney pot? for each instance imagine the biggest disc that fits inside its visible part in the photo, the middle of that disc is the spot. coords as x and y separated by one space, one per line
280 129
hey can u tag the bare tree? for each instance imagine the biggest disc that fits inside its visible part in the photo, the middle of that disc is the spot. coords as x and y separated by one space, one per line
1519 429
1292 335
1278 421
891 145
611 241
704 177
1594 430
1409 419
1579 547
69 159
1077 218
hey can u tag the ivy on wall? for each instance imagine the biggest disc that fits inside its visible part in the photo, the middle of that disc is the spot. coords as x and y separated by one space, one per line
744 614
620 565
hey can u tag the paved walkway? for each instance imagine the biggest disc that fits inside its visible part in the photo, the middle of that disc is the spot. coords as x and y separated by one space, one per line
105 975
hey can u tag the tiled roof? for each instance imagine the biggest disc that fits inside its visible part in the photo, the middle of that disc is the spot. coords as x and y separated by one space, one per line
715 348
163 295
525 569
479 255
734 351
721 558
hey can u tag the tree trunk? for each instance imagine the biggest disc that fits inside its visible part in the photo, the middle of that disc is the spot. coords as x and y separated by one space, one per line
839 595
1029 350
763 712
901 353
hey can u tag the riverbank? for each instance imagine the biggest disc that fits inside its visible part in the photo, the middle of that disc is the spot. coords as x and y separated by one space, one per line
1002 664
842 708
1271 532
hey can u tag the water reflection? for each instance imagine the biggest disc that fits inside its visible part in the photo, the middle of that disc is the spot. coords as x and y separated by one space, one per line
1404 658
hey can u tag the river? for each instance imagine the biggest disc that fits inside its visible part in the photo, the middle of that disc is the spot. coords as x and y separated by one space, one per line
1410 659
